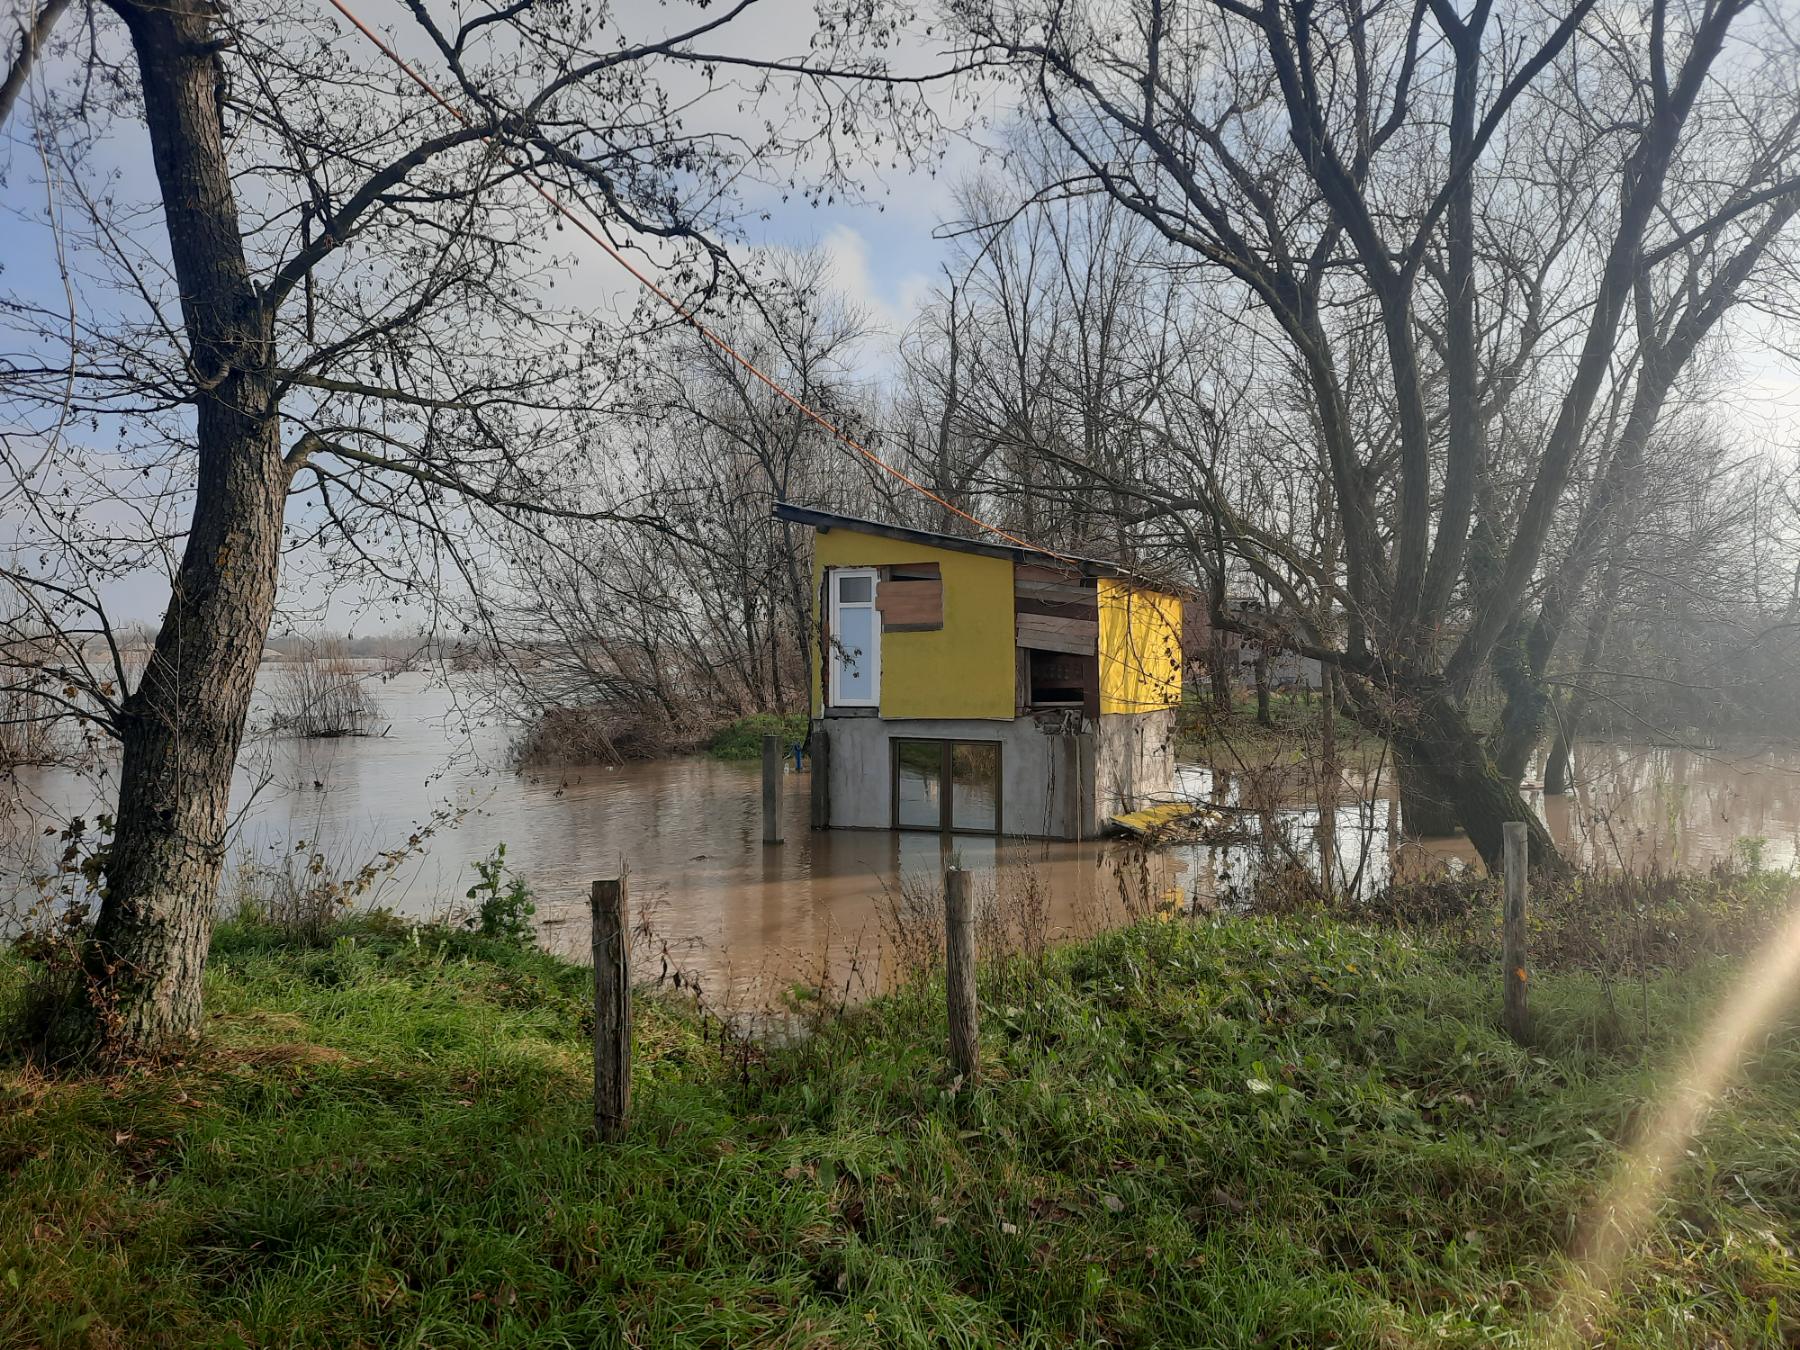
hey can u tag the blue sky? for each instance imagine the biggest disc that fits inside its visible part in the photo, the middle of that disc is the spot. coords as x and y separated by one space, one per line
882 249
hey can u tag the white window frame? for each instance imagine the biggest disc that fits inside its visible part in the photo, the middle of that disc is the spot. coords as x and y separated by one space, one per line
835 661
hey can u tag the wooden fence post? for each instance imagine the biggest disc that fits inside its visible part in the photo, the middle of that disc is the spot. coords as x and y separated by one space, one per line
772 789
959 975
612 1009
1512 943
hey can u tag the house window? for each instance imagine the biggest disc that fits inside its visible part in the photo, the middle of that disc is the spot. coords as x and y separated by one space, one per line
946 785
854 662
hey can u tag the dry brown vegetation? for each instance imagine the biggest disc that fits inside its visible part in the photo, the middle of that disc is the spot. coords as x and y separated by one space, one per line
321 697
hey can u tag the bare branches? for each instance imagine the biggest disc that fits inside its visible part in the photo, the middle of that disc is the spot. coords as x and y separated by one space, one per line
33 34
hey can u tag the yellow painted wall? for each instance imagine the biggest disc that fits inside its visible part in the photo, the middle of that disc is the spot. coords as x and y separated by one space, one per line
1140 648
965 669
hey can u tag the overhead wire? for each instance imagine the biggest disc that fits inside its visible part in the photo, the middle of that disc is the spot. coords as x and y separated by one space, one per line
538 185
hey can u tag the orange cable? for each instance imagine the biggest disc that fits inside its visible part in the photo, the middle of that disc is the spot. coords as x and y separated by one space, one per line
538 186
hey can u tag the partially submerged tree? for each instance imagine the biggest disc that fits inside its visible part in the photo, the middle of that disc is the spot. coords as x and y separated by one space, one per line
346 346
1445 216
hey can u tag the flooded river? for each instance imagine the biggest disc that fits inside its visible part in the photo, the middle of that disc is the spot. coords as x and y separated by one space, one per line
740 916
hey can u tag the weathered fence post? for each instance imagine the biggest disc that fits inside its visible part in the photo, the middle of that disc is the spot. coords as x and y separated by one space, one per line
612 1009
772 789
959 975
1512 942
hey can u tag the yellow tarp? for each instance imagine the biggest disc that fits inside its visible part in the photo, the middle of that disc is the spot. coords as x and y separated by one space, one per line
1140 648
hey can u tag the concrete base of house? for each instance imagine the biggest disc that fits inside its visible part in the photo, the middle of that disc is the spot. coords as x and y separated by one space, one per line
1062 775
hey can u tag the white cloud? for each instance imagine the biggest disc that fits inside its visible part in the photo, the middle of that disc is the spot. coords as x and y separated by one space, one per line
890 301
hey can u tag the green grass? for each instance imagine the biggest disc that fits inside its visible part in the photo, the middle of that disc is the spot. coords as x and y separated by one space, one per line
743 739
1264 1132
1236 740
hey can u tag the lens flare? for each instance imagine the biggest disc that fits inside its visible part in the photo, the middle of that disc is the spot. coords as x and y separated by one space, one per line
1612 1230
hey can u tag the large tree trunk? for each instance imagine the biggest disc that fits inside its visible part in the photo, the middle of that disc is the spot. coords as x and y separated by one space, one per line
1328 783
1426 811
182 726
1556 763
1483 799
1525 707
1219 665
1575 707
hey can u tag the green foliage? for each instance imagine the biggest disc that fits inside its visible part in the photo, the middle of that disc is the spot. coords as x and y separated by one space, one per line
1236 740
503 906
743 738
1263 1132
1749 851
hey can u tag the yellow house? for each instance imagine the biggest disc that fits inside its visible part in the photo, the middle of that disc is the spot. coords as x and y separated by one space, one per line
962 685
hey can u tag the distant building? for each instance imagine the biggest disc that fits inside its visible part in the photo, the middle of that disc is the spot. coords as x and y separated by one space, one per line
1287 668
967 686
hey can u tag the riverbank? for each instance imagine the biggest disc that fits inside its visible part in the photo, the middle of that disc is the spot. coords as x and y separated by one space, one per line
597 734
1261 1131
1235 742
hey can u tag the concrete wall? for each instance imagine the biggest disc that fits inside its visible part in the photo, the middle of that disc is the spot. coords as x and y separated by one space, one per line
1062 786
1134 761
1046 781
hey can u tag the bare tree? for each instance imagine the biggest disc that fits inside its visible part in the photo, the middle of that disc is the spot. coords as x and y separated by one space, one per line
348 344
1483 193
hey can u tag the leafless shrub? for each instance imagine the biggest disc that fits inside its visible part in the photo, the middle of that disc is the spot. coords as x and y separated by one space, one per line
27 731
305 888
606 734
321 698
911 916
30 708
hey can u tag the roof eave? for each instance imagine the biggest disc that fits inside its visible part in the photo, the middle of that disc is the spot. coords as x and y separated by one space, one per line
828 520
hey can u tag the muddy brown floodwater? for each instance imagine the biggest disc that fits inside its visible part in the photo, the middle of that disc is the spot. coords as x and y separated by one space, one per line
746 919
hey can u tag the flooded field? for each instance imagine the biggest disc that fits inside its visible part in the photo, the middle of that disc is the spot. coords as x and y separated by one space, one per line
737 915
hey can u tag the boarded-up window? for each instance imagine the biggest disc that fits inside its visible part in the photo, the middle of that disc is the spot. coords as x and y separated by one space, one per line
1055 611
911 598
1078 637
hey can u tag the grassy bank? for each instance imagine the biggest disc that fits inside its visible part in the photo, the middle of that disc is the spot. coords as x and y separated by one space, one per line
743 739
1236 741
1264 1132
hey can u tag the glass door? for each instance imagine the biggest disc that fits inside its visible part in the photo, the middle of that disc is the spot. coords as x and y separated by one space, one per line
854 633
952 786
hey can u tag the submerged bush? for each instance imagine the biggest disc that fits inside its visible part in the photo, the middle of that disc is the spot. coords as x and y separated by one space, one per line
599 733
321 697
